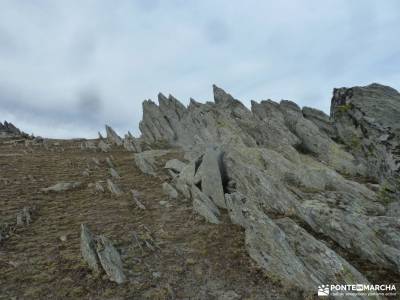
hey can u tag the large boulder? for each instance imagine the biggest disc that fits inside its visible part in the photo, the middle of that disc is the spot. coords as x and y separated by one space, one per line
88 249
211 177
100 254
110 259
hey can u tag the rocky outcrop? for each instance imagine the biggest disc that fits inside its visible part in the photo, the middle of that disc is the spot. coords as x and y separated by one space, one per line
367 120
103 146
8 129
112 137
308 194
322 120
131 143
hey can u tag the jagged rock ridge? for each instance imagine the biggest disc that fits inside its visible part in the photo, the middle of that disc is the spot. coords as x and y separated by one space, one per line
310 190
9 130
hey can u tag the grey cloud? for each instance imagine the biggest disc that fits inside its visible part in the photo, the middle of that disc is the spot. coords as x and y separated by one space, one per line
216 31
82 51
8 43
79 64
83 117
90 102
148 5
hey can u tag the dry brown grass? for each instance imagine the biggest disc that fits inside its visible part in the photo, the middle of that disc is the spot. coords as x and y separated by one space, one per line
194 259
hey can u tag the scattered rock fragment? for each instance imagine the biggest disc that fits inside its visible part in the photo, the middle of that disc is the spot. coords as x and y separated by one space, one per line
88 249
131 143
98 187
24 217
135 195
6 230
88 145
62 187
113 137
169 190
113 188
114 173
38 139
100 254
110 259
103 146
95 161
146 160
128 145
145 239
109 162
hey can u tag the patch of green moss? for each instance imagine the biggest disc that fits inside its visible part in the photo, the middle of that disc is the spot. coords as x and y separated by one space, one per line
345 107
348 275
161 144
355 143
221 123
371 150
309 190
385 194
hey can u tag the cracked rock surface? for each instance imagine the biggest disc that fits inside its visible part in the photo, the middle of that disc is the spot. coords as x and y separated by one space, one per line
317 195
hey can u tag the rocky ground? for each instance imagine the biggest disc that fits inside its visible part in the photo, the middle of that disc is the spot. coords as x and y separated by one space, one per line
187 258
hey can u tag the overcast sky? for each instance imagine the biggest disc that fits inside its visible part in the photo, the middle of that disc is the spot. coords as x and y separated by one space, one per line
68 67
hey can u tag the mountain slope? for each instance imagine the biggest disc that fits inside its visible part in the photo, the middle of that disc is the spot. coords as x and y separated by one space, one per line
42 260
317 195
